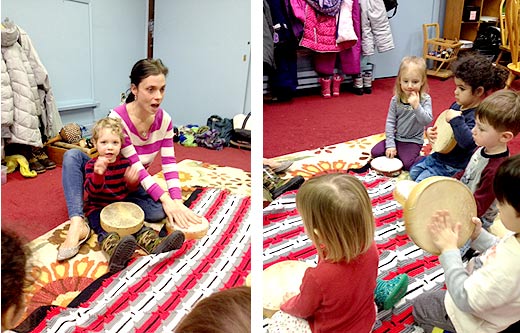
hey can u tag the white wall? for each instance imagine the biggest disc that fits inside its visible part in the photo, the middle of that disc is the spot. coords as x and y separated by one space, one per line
406 28
205 44
87 46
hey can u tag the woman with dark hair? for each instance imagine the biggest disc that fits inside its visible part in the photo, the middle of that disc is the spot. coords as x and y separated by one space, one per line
148 133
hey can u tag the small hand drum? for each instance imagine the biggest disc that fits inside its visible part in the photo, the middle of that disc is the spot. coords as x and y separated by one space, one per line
125 218
445 141
279 279
430 195
389 167
194 231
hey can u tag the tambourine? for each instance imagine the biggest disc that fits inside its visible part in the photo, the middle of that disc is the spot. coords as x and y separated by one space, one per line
194 231
445 141
125 218
421 200
278 280
389 167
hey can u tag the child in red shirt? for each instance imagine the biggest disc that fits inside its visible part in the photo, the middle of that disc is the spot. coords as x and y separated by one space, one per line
338 294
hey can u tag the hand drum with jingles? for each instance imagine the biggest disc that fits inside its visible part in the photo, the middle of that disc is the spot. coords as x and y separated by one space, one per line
125 218
389 167
278 280
421 200
445 141
194 231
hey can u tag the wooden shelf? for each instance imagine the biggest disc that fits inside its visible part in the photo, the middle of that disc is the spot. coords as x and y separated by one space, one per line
456 28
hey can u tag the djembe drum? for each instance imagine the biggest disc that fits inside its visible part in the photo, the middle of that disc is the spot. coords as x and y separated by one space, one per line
284 277
445 141
421 200
389 167
194 231
125 218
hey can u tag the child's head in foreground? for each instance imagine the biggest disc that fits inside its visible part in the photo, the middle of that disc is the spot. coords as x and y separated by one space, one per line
108 136
497 118
14 278
337 216
225 311
506 186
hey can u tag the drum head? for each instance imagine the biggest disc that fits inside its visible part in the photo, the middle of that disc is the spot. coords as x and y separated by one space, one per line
438 193
195 231
445 141
389 167
125 218
279 279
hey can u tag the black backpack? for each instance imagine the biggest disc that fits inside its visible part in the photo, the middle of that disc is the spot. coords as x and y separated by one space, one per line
389 5
488 40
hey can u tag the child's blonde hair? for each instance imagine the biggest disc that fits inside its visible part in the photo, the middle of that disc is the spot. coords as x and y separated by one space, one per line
337 215
113 124
407 63
501 110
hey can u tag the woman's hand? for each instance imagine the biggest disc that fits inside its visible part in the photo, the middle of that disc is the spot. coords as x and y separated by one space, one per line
391 152
478 228
178 213
444 235
431 134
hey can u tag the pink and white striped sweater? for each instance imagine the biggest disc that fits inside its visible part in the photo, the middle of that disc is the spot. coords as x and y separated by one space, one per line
142 151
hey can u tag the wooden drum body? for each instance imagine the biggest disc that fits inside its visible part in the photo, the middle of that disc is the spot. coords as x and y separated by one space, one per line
195 231
435 193
278 280
389 167
445 141
125 218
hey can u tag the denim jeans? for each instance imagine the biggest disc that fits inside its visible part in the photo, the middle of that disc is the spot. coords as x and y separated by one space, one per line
429 167
73 178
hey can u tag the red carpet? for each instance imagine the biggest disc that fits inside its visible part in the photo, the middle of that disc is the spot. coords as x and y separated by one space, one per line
33 206
310 122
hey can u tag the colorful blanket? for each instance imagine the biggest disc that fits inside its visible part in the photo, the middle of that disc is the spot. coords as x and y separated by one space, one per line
58 283
155 291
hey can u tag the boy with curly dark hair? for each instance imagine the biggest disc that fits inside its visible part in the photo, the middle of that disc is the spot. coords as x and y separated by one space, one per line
475 78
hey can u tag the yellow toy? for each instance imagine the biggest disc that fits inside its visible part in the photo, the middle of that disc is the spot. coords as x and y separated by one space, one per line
13 161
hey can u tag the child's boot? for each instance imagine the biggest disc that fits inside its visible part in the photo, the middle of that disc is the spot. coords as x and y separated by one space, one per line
336 84
150 241
325 87
119 249
389 292
367 79
357 84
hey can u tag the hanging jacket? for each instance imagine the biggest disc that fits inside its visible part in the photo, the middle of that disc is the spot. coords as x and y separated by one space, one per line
32 102
375 27
18 74
351 58
319 31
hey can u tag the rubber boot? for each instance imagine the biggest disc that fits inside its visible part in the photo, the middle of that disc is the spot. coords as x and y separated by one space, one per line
336 84
325 87
357 84
367 79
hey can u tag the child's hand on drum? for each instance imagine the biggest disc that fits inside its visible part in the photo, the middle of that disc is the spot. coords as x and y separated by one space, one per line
452 114
444 234
391 152
431 133
101 165
287 296
478 228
